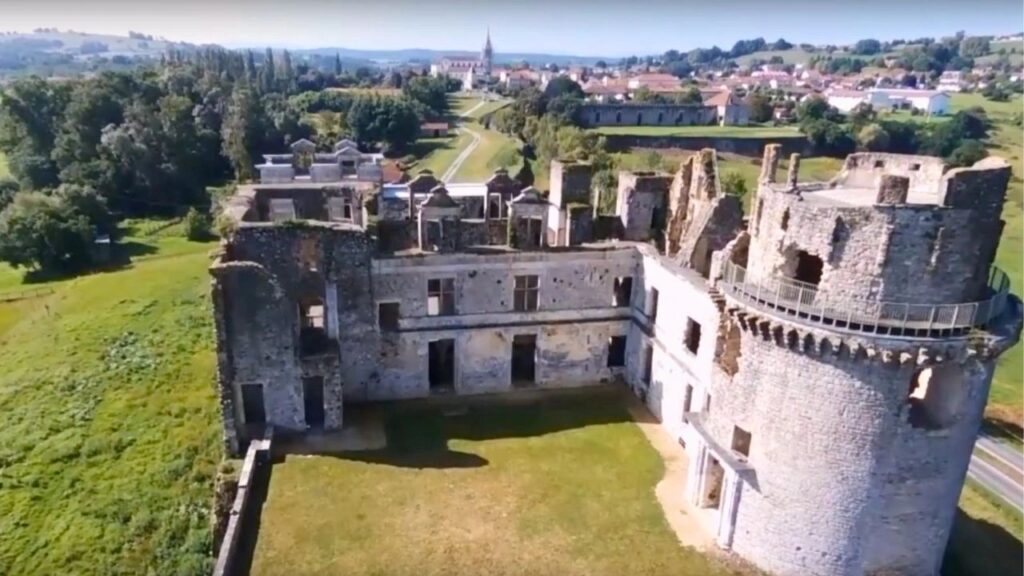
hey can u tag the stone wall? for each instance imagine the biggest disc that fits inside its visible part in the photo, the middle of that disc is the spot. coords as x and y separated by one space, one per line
742 146
648 115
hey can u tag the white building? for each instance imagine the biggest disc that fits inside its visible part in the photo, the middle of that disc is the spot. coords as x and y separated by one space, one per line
846 100
930 102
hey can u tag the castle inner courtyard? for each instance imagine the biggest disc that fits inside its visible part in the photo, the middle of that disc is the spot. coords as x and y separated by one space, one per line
561 483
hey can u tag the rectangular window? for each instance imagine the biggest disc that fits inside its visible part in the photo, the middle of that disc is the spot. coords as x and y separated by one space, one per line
387 316
616 351
282 209
441 297
687 398
623 291
692 336
652 305
339 209
526 294
648 365
740 441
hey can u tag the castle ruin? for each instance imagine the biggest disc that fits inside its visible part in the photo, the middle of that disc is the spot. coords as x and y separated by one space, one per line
825 361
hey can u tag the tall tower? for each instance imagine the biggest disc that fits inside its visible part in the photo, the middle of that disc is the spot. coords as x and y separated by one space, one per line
861 321
487 55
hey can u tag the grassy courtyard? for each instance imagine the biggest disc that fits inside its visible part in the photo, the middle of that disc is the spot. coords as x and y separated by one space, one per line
110 435
555 486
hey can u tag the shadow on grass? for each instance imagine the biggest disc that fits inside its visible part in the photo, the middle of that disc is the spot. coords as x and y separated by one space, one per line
421 148
980 548
418 435
250 527
1002 429
119 258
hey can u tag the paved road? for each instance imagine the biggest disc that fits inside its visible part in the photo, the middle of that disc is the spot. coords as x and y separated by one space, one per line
468 150
1003 480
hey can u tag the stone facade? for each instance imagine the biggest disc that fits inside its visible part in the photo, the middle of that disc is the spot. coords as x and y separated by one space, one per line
827 434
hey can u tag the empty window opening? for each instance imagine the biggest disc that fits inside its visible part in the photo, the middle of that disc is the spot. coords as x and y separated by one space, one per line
441 365
648 367
661 117
534 229
688 398
434 235
757 218
808 268
526 294
707 403
652 304
714 475
785 220
597 118
313 400
639 119
252 404
618 117
740 441
441 297
623 291
313 337
616 351
494 209
282 209
308 256
879 164
935 397
339 209
692 336
387 316
524 360
702 257
915 167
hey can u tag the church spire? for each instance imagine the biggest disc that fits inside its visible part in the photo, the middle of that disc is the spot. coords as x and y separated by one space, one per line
487 56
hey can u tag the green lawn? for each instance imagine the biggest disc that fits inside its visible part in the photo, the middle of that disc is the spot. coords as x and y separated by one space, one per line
437 154
110 435
496 150
553 486
702 131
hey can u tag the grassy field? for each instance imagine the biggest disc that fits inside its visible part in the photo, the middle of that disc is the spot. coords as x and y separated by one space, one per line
702 131
110 438
437 154
496 150
554 486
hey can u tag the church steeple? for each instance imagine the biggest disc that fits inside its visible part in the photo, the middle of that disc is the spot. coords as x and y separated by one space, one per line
487 55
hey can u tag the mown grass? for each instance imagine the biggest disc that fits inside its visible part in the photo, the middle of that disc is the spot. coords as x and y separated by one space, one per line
702 131
555 486
496 150
110 439
440 152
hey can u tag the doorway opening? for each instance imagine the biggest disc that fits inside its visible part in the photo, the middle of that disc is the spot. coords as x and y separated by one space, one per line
714 475
441 361
252 404
524 360
313 398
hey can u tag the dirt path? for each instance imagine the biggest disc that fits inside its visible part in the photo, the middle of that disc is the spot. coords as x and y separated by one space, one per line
670 489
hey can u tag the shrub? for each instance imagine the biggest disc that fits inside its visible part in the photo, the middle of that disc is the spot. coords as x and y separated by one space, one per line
43 232
197 225
734 184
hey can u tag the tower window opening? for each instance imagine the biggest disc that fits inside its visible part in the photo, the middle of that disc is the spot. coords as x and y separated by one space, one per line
808 268
785 220
935 396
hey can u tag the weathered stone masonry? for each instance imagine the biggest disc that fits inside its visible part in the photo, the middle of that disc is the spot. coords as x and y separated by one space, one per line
825 362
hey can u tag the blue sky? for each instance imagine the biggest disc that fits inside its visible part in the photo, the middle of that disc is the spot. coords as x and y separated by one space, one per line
582 27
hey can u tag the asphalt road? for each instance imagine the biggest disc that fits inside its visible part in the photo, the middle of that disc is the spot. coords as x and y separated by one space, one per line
1003 479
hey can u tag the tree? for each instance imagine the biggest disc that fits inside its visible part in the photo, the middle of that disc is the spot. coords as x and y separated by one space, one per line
287 73
431 93
40 231
525 175
761 108
563 85
30 115
691 96
873 138
8 188
867 47
566 109
733 183
337 64
967 153
198 226
862 114
680 69
974 47
268 76
781 44
600 64
389 121
815 108
242 132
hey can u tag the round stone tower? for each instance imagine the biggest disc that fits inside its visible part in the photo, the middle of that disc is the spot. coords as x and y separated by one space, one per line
861 320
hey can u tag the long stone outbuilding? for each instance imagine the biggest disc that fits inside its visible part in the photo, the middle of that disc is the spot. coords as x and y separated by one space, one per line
825 362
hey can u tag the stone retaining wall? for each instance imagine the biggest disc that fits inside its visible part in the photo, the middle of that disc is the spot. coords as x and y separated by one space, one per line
753 147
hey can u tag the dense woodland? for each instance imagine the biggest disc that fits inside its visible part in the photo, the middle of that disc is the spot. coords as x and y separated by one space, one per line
150 141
